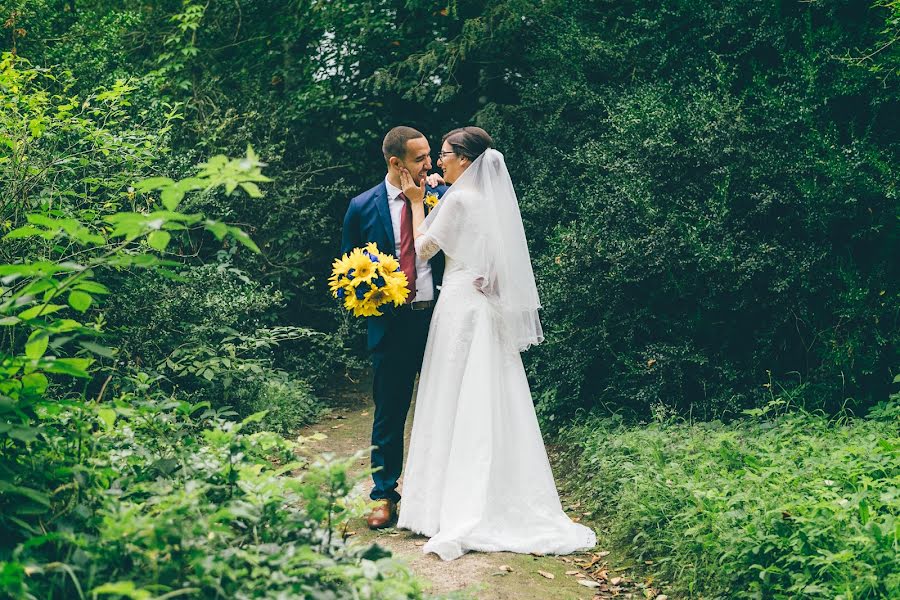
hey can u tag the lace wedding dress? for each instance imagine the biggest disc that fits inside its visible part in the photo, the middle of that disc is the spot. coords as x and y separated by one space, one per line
477 475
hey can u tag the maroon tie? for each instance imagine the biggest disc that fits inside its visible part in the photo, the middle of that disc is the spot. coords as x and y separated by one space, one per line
407 247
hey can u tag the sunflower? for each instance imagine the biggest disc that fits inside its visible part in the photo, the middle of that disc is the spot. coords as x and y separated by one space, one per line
340 278
431 200
388 264
362 266
396 287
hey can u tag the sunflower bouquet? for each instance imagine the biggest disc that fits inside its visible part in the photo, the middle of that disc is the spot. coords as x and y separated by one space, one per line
365 279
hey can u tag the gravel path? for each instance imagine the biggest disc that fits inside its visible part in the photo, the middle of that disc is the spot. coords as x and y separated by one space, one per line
485 576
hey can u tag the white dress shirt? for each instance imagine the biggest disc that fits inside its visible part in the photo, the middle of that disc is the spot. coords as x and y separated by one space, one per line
424 280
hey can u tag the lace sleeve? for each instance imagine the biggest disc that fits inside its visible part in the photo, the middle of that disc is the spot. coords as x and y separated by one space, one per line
426 247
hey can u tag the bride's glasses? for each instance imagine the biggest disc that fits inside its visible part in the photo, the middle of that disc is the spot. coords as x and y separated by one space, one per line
442 154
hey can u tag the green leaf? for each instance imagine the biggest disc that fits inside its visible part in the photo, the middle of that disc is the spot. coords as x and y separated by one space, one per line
217 228
171 197
92 287
26 231
108 416
31 494
23 433
159 240
35 383
255 417
252 189
77 367
79 300
98 349
40 309
122 588
241 236
36 344
153 183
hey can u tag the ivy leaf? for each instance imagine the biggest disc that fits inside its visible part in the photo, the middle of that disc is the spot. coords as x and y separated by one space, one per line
79 300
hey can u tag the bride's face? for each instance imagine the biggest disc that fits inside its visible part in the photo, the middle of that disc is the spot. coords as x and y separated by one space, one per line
451 164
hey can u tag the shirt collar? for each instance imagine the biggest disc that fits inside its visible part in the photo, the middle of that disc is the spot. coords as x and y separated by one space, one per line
392 190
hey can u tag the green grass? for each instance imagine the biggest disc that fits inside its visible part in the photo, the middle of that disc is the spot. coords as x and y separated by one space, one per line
794 507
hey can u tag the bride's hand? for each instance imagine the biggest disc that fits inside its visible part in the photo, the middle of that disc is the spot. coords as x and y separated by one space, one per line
412 190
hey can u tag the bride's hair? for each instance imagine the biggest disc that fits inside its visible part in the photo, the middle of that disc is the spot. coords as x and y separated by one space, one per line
470 142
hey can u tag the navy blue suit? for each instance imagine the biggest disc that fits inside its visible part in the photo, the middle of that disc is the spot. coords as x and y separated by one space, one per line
396 340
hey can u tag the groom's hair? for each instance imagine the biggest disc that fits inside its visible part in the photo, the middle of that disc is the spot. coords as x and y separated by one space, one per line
394 143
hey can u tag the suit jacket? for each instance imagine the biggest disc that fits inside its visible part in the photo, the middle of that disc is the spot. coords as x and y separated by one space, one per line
368 219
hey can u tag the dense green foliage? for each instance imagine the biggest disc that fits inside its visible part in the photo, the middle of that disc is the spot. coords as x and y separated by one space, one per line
710 192
112 482
791 506
707 186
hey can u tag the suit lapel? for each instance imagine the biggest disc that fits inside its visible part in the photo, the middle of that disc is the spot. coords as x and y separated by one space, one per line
384 211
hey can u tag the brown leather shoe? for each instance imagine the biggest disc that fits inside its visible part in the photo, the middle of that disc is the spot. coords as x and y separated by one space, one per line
382 515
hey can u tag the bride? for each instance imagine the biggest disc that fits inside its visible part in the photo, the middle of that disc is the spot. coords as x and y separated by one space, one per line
477 476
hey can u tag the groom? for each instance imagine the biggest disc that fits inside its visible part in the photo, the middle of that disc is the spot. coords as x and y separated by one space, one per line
396 340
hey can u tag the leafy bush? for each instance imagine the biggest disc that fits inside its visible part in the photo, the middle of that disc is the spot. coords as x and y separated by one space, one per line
707 188
794 506
289 402
109 486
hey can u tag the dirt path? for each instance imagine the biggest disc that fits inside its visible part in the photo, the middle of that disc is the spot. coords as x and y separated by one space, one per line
494 576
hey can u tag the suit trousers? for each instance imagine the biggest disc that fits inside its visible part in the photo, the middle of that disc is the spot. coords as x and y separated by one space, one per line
396 361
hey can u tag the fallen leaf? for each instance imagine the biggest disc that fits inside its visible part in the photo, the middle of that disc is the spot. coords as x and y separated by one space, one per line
420 543
364 413
588 583
506 568
337 426
547 575
662 597
573 572
616 580
602 553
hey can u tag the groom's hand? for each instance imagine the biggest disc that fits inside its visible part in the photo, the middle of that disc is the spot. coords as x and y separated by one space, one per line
413 190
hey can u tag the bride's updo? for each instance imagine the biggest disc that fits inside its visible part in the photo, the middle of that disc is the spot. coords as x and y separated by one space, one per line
470 142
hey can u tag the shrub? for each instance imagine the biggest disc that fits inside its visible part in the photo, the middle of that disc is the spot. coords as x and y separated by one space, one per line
786 507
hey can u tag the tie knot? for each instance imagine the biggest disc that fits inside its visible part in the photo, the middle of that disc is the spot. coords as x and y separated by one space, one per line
402 196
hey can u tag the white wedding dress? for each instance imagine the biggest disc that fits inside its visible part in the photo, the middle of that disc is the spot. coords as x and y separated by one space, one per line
477 475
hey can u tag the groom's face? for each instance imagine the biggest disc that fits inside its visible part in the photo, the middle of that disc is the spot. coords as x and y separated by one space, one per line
418 158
